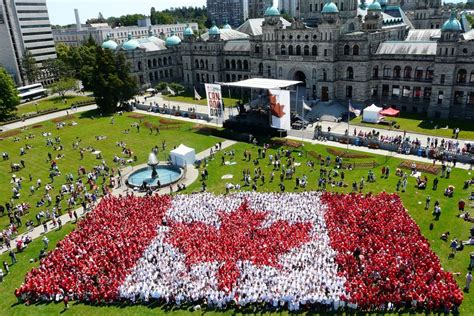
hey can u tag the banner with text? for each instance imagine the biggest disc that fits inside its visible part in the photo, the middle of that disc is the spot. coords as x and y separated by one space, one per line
214 100
280 108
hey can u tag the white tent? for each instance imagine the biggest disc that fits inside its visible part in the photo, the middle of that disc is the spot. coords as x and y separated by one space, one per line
372 114
183 156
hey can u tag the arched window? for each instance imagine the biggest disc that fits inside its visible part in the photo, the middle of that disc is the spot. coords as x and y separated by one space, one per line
283 50
160 63
165 62
419 73
151 76
355 50
314 50
314 74
407 72
375 72
462 75
154 62
290 50
227 64
325 75
170 61
471 79
269 51
149 63
233 64
298 50
397 70
280 72
351 27
349 73
346 50
306 50
429 73
139 65
260 69
196 64
246 65
207 64
239 64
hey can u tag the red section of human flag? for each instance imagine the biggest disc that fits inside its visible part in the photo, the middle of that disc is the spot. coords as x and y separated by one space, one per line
383 255
94 260
240 237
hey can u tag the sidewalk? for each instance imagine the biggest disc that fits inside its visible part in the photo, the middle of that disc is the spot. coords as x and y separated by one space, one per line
46 117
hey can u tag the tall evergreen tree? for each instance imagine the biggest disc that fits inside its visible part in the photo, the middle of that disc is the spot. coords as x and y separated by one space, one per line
8 95
29 67
111 81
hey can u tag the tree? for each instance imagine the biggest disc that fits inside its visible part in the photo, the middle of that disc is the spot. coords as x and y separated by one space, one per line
176 87
64 85
111 81
58 68
8 95
29 67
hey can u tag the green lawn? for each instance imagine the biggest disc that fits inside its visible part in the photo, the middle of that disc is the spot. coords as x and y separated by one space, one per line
142 142
417 123
51 104
189 98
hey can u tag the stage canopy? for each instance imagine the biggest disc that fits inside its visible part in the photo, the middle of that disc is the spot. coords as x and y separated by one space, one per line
183 156
390 112
261 83
371 114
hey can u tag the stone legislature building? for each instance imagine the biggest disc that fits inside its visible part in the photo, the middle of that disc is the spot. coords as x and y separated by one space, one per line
368 53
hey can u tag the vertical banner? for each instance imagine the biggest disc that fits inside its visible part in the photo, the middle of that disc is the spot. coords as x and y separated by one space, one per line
280 108
214 100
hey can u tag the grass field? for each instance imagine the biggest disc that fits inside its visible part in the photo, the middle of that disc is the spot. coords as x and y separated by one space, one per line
189 98
417 123
142 142
50 104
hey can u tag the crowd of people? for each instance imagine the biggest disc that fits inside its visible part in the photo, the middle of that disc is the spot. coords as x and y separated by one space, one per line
91 263
386 259
294 251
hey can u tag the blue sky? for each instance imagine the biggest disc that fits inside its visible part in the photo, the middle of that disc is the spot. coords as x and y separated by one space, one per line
62 11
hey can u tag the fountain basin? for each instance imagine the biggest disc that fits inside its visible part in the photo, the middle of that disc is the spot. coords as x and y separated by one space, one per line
167 175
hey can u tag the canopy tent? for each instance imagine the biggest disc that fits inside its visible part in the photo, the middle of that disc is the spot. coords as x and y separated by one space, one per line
390 112
182 156
262 83
372 114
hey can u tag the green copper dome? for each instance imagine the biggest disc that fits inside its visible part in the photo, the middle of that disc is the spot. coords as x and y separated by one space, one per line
330 8
214 30
272 11
374 6
173 40
188 31
452 24
227 26
131 44
109 44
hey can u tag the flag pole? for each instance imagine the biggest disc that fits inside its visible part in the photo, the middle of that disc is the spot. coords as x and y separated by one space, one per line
302 116
348 123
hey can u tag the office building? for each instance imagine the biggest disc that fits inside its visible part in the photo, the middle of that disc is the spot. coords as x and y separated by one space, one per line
25 26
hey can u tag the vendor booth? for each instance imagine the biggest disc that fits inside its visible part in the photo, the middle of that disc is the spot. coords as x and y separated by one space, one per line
182 156
372 114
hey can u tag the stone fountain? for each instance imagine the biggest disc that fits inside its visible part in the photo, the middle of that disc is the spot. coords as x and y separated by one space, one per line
152 163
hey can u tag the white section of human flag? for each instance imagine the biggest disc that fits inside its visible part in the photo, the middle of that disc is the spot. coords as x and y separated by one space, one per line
202 255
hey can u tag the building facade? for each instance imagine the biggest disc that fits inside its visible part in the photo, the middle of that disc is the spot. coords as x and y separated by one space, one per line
367 54
233 12
25 26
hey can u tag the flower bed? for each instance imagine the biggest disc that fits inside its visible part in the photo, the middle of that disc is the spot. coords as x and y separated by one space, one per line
346 154
420 166
285 143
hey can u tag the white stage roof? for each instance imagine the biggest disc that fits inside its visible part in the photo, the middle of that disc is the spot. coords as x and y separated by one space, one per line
261 83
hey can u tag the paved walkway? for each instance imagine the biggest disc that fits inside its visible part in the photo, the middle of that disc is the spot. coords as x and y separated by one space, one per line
46 117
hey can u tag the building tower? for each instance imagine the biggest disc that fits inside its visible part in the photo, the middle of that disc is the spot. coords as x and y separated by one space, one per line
25 26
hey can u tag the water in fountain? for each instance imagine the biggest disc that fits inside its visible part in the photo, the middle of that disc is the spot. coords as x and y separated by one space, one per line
152 160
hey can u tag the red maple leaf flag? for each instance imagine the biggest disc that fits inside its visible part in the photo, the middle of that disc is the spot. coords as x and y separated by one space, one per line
239 238
275 107
295 251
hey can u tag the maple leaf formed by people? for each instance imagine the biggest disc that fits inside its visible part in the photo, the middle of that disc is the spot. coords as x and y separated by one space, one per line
240 237
275 107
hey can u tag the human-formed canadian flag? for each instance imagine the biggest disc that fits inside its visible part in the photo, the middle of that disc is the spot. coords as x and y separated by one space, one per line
292 250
